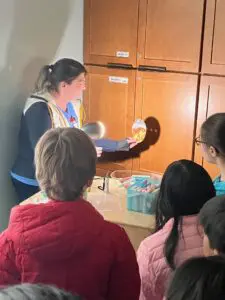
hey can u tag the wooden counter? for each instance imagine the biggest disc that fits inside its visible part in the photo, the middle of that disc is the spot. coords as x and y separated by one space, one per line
112 206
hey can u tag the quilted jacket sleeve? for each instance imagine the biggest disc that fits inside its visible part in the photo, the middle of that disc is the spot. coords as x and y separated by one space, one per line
8 272
149 280
124 281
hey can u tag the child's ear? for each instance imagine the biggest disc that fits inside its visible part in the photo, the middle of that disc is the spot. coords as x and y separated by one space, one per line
213 151
89 183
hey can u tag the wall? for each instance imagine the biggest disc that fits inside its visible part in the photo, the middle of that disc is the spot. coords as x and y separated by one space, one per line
32 33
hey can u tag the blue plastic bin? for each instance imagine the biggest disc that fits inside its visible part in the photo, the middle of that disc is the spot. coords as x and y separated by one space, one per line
140 201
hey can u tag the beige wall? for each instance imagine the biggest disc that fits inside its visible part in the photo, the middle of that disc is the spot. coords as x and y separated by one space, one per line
32 33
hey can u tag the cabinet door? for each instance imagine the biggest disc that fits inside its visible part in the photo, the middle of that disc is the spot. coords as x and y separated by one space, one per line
111 31
109 98
170 34
211 101
167 101
214 38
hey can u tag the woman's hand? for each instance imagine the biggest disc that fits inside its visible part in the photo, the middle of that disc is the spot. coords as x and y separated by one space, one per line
131 142
99 151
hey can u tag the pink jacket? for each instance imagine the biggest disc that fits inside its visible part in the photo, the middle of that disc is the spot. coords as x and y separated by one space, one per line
153 267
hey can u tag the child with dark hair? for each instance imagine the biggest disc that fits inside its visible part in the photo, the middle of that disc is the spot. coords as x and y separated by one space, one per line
212 219
35 292
199 279
185 188
212 141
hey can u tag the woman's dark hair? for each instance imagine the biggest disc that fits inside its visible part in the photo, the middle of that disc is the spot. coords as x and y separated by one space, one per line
200 278
35 292
212 219
185 188
64 70
213 132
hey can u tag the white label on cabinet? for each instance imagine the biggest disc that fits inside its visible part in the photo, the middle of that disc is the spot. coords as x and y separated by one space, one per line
116 79
122 54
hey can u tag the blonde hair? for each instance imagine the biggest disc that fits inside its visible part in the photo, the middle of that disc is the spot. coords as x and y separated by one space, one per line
65 160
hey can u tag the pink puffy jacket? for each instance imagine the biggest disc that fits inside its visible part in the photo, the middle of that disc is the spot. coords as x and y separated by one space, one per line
154 270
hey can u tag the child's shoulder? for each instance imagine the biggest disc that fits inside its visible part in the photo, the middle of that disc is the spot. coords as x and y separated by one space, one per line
219 186
38 198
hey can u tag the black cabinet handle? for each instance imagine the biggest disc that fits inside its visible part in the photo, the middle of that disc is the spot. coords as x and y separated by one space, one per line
151 68
120 66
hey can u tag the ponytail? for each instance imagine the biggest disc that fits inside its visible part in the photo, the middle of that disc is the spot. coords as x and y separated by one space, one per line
171 243
64 70
43 82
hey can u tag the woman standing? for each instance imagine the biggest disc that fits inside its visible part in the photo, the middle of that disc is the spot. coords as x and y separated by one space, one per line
52 105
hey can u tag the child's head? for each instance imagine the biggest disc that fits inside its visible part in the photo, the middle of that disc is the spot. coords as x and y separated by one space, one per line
65 160
185 188
35 292
199 279
212 219
212 138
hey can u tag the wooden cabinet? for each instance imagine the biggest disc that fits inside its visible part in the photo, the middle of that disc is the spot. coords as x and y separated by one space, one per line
152 33
214 38
111 29
211 101
170 34
167 35
167 101
109 98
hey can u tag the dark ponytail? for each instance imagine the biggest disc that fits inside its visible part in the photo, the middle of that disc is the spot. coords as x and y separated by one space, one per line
50 76
171 243
185 188
162 218
43 82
